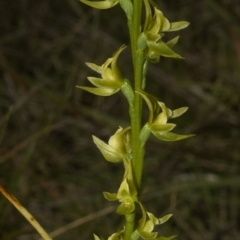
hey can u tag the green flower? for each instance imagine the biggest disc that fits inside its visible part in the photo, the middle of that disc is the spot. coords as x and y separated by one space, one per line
101 4
118 146
154 29
147 223
111 79
126 195
157 123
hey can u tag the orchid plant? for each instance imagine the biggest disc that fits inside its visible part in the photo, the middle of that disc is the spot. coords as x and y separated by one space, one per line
127 145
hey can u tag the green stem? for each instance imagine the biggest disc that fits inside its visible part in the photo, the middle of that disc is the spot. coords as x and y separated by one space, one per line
137 56
136 109
129 228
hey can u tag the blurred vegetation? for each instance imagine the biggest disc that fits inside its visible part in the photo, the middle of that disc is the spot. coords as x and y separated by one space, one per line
47 158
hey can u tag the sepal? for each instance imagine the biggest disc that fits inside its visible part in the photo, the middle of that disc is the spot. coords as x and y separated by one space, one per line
161 49
103 92
96 237
110 154
101 4
110 196
166 238
116 236
169 136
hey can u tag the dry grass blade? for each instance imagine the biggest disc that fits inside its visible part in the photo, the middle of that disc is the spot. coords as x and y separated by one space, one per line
25 213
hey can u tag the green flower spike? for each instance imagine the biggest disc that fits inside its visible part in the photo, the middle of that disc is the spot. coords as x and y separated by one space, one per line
147 224
118 146
101 4
154 28
127 195
111 81
157 123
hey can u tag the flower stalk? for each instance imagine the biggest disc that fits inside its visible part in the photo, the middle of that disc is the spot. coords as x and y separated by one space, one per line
127 145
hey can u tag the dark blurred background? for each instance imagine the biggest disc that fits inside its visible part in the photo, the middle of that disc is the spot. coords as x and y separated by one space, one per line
47 158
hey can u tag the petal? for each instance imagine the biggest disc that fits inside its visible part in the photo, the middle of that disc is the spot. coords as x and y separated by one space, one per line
115 236
108 74
117 141
148 235
109 153
149 226
148 15
162 128
152 103
100 4
166 110
126 207
169 136
123 191
105 68
160 119
100 91
104 83
116 73
153 219
164 24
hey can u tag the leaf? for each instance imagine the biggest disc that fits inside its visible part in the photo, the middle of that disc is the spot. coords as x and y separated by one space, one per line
169 136
104 92
163 49
100 4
